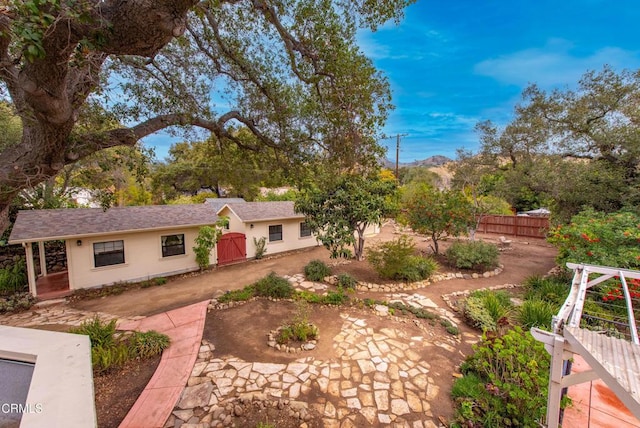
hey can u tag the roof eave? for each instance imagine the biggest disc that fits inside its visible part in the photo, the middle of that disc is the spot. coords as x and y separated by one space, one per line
116 232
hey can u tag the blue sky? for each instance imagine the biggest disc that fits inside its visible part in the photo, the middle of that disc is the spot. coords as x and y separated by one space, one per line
452 63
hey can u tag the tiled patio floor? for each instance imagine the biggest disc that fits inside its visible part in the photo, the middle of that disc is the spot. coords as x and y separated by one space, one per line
595 405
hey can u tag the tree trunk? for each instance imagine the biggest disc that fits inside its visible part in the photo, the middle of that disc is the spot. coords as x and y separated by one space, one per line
358 245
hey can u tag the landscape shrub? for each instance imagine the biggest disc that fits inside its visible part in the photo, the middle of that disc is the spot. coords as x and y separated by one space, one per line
300 329
273 286
553 289
396 260
308 296
449 327
14 278
105 358
484 309
101 333
405 309
597 238
16 302
474 255
154 282
316 270
109 350
149 343
261 247
335 297
536 313
513 371
347 282
245 294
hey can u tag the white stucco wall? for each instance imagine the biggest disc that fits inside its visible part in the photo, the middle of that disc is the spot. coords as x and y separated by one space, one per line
291 239
142 255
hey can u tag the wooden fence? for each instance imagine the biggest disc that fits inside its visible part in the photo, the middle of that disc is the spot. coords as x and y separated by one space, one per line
531 227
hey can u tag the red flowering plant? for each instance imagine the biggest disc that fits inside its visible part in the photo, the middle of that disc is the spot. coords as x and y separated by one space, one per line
606 239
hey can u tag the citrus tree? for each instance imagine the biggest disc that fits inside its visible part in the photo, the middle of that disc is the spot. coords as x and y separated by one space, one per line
437 213
339 212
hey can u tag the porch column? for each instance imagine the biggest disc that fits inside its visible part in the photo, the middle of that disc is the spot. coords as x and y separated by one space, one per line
43 258
31 271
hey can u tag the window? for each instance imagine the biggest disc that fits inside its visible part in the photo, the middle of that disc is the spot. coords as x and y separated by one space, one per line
172 245
305 230
275 233
108 253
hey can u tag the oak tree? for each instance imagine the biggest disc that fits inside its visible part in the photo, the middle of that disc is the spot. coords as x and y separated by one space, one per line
287 70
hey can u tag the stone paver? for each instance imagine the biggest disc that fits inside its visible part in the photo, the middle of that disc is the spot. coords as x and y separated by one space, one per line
378 375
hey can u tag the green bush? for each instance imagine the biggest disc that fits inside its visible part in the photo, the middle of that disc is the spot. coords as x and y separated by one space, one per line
101 333
597 238
474 255
335 297
274 286
261 247
551 289
110 351
16 302
396 260
514 372
14 279
308 296
484 309
105 358
468 386
347 282
536 313
300 332
149 343
300 329
238 295
449 327
316 271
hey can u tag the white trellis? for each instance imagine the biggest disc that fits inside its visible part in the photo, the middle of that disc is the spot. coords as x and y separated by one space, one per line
615 360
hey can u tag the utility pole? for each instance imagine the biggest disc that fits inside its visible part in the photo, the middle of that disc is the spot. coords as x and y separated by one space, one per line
398 155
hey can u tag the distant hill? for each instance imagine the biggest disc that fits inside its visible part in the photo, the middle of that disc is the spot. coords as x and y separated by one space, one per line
437 160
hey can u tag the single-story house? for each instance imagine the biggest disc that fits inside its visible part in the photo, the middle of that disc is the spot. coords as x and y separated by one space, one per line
277 222
125 244
131 244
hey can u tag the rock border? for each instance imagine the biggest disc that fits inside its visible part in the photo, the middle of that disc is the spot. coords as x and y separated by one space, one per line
449 297
403 286
309 345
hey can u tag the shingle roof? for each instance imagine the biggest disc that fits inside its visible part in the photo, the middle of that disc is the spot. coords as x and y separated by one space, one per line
261 211
218 203
38 225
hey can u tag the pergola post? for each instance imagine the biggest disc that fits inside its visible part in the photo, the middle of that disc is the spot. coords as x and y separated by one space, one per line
43 258
31 271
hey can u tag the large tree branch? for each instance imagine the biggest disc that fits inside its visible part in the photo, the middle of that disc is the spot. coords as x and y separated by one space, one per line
90 143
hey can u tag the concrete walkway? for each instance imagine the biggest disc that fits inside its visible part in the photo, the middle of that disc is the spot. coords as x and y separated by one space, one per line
184 326
595 405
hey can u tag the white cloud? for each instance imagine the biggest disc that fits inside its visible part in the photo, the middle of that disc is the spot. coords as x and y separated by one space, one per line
553 65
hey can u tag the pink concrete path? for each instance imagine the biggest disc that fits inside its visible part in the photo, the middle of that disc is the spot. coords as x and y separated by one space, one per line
595 405
184 326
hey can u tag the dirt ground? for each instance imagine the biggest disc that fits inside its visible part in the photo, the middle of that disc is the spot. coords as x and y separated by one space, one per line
526 257
234 334
234 331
